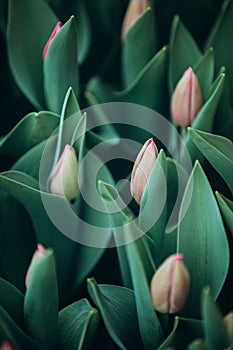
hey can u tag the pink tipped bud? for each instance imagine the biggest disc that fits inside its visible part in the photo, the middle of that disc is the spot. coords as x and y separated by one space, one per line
142 169
228 321
133 12
170 285
54 32
186 99
36 258
64 178
6 346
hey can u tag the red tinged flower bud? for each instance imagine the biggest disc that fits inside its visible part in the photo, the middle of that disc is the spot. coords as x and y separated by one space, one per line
170 285
6 346
228 321
54 32
142 169
134 11
64 178
186 99
36 258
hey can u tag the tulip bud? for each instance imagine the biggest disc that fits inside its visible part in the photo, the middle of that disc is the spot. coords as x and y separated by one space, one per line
133 12
6 346
228 321
170 285
186 99
36 258
54 32
142 169
64 178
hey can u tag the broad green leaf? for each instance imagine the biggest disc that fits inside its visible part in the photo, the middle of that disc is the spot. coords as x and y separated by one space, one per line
152 218
138 46
30 25
41 302
184 52
17 239
10 330
151 80
217 150
184 330
60 66
201 239
226 207
214 328
129 237
204 70
177 179
11 299
31 130
223 123
118 310
220 39
29 162
78 323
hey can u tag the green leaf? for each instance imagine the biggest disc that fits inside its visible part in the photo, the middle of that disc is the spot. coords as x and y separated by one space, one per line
184 329
29 20
226 207
29 162
17 239
78 323
11 299
10 330
60 66
217 150
201 239
138 46
214 328
220 40
151 80
41 302
177 179
152 218
118 310
204 70
31 130
84 32
46 233
129 237
184 52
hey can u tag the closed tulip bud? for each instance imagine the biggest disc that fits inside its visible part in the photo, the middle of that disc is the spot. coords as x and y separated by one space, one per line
186 99
170 285
54 32
142 169
64 178
133 12
6 346
36 258
228 321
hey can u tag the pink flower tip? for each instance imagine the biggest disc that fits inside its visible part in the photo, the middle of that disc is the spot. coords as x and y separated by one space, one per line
6 345
142 168
64 178
135 9
170 285
186 99
54 32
